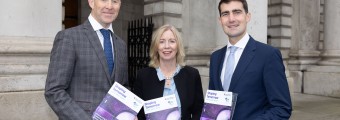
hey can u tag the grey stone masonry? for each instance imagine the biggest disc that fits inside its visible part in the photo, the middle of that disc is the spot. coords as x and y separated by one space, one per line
322 22
164 12
23 68
324 78
25 105
331 53
280 31
280 25
35 18
23 63
305 36
304 51
26 35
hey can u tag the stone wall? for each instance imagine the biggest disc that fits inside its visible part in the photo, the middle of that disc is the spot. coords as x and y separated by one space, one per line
34 18
280 30
280 25
322 22
23 68
26 35
323 79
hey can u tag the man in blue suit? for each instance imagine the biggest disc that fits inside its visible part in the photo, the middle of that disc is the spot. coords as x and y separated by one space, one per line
254 70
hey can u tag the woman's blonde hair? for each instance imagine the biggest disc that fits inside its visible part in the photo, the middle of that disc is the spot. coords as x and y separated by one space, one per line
156 36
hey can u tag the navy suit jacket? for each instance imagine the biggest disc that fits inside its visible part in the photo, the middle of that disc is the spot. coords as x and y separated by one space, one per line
259 80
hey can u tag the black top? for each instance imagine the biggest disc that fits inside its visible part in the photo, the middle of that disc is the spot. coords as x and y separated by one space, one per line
188 84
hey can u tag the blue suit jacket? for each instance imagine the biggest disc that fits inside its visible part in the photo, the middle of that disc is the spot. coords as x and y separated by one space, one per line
260 81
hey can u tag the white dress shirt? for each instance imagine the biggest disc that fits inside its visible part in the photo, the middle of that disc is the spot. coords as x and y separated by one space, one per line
241 44
97 26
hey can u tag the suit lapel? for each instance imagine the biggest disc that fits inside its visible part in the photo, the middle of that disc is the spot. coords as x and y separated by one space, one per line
246 58
94 40
179 80
154 85
220 61
116 54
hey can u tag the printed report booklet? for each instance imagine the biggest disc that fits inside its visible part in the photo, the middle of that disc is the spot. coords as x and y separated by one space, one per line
163 108
218 105
118 104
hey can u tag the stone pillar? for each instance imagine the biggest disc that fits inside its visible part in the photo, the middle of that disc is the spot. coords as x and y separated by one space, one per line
257 27
325 78
36 18
331 53
305 39
199 28
164 12
279 31
26 35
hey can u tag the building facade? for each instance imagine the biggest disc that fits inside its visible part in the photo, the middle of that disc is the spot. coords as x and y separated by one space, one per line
304 30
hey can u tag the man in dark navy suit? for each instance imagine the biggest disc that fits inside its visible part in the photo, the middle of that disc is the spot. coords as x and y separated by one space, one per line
253 70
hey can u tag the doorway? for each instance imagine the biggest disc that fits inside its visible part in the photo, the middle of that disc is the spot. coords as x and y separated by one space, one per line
72 11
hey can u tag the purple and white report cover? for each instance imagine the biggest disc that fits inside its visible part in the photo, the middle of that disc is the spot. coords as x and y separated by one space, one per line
118 104
163 108
217 105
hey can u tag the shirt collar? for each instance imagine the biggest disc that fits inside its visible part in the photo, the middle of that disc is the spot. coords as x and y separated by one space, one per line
161 76
241 43
96 25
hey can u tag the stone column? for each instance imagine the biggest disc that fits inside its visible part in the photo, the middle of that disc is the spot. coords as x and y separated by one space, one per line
325 78
331 53
26 35
257 27
305 39
279 31
164 12
169 12
199 24
34 18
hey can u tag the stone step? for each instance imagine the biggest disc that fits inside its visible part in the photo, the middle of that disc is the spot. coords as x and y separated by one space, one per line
25 45
26 40
322 80
197 62
28 105
31 82
197 57
17 69
27 50
24 58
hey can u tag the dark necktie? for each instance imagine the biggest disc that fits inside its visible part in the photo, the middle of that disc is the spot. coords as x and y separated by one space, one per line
108 49
229 68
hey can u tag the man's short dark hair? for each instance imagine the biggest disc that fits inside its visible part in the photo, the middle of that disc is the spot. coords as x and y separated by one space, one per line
244 3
